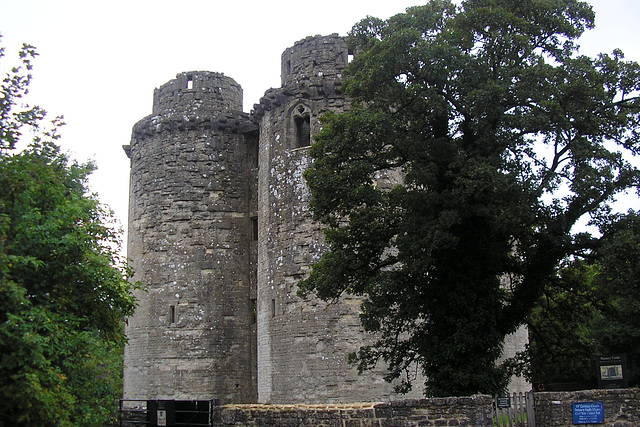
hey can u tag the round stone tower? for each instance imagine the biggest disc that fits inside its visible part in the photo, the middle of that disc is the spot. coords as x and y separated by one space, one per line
303 345
220 234
192 244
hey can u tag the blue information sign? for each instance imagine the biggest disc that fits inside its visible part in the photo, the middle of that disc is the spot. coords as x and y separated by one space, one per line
588 412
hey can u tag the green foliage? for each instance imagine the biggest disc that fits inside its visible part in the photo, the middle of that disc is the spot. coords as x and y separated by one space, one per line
617 329
13 88
592 307
504 139
63 287
562 346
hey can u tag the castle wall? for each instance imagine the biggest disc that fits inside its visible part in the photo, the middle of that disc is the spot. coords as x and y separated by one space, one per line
190 243
303 345
515 343
220 233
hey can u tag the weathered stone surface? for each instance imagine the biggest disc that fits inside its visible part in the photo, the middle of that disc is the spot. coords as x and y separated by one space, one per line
220 233
470 411
302 345
621 407
190 245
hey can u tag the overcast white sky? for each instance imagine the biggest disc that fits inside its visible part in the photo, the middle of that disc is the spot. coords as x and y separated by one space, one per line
100 60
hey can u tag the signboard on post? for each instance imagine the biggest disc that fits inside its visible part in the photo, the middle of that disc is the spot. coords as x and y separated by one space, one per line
612 371
161 413
162 418
503 402
588 412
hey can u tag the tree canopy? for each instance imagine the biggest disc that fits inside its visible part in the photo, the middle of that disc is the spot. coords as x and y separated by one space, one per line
505 139
591 307
63 287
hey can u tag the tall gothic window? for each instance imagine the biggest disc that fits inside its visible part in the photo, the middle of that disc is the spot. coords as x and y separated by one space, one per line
303 131
302 125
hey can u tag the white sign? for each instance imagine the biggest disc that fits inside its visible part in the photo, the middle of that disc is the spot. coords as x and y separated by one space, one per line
162 418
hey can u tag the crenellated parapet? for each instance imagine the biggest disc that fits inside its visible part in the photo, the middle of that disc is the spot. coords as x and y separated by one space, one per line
195 100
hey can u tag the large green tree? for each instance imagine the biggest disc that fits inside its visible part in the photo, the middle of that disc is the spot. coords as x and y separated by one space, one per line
63 288
505 138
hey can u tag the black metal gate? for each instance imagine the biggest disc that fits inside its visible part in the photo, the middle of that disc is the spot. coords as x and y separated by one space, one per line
169 413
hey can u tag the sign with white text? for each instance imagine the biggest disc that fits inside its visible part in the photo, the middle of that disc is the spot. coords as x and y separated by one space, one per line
612 371
503 402
588 412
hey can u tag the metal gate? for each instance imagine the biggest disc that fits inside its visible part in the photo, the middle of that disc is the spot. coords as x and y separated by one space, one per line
169 413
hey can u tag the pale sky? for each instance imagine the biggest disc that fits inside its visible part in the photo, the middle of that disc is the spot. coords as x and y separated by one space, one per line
100 60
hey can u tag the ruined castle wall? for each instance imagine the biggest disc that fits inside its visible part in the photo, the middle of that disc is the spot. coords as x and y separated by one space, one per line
190 244
303 345
220 233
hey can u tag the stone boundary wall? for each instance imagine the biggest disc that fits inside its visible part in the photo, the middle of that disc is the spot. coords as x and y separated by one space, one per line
621 407
450 411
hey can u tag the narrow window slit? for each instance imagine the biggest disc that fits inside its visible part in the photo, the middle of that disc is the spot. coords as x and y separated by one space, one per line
254 311
254 228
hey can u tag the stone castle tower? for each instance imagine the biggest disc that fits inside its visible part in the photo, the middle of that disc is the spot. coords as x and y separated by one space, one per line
220 233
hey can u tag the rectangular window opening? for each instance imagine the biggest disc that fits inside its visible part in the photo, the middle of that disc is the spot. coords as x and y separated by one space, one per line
189 82
273 308
172 314
256 153
252 149
254 311
254 228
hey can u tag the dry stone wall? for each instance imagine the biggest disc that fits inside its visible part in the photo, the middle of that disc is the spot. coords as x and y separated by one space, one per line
453 411
621 407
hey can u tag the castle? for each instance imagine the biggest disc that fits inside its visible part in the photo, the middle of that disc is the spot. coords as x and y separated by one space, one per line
220 234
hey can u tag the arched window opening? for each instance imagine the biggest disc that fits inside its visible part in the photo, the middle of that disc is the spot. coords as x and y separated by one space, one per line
303 131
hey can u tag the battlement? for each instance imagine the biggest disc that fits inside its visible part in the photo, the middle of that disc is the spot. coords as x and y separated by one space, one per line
313 58
198 91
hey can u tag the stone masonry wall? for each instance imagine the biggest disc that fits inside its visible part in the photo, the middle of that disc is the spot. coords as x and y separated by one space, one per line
453 411
621 407
303 345
220 233
190 234
198 91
